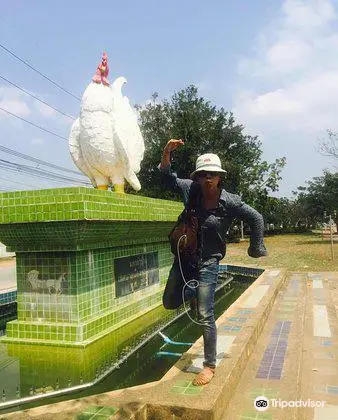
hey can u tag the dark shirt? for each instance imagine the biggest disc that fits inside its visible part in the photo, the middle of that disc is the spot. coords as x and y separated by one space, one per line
215 223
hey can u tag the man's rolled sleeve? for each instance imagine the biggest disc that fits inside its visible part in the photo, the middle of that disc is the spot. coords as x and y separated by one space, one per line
169 177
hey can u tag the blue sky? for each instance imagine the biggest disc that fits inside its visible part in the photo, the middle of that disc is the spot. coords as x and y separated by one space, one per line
274 63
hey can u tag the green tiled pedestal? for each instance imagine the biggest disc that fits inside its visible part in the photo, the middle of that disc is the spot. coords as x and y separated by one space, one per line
70 244
56 367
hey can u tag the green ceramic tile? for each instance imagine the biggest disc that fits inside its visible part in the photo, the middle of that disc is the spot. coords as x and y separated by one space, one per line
176 390
73 296
77 200
196 390
256 415
266 392
97 413
93 409
83 416
108 411
185 388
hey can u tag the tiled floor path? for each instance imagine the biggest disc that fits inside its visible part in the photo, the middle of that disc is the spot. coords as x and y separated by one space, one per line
296 356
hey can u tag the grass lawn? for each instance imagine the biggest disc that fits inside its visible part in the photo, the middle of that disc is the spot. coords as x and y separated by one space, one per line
301 252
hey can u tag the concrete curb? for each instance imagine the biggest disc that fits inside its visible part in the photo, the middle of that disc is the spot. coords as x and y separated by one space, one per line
216 396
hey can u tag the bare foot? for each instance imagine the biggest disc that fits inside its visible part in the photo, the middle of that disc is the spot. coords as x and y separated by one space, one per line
204 377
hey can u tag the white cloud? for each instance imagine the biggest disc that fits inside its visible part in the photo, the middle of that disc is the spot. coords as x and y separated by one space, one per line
306 16
295 75
23 105
18 135
294 40
203 86
287 55
15 107
45 110
36 141
289 83
310 103
13 101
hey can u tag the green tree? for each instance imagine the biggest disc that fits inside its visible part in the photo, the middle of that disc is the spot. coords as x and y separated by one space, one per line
319 195
204 128
278 211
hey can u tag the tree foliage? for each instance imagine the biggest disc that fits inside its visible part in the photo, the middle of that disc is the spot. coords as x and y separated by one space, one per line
318 196
204 129
329 146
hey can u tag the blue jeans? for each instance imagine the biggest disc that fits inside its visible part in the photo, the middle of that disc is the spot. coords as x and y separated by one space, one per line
172 296
208 275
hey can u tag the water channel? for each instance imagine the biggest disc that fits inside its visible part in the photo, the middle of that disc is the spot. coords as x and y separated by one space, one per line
124 358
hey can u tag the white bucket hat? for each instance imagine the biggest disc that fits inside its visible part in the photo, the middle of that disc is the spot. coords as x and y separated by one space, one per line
208 162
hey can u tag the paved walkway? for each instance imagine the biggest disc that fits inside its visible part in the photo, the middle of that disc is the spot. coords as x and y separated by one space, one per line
296 355
279 341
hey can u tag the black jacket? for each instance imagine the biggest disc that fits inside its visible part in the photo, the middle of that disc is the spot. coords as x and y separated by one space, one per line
215 223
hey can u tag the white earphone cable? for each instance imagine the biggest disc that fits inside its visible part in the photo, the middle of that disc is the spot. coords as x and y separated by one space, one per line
194 283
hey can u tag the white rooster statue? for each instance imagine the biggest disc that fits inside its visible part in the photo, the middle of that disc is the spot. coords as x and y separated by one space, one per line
105 142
